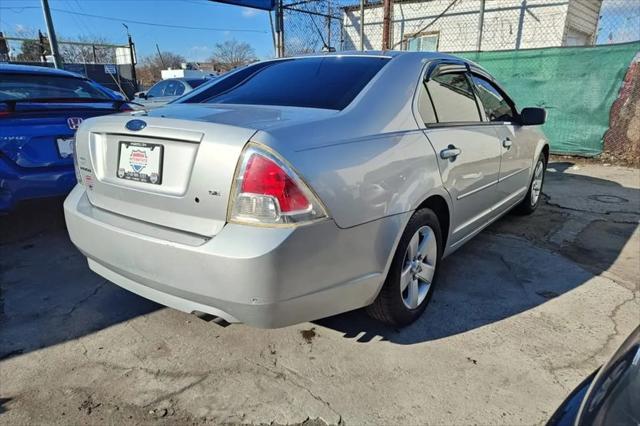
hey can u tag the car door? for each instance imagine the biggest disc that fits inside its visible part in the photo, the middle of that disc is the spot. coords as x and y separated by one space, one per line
515 147
468 151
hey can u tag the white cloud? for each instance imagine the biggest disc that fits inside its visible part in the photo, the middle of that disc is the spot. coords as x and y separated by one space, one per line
248 12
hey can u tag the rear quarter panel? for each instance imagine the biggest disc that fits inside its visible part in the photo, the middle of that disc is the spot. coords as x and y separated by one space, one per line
370 178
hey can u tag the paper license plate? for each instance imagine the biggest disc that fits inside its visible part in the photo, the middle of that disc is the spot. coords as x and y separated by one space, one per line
141 162
66 146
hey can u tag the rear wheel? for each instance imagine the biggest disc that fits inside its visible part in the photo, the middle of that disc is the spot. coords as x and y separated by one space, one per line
533 197
410 281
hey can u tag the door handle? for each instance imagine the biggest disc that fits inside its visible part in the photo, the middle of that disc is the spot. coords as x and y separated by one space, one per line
450 152
507 143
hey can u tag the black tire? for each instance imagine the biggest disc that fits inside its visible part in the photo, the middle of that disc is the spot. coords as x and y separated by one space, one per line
527 206
389 306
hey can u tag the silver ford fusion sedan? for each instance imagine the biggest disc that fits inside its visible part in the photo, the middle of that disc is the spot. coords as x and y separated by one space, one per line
298 188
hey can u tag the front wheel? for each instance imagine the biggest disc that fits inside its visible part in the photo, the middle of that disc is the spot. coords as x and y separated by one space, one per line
533 197
410 281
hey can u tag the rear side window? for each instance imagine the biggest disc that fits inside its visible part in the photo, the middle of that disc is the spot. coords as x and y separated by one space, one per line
453 98
330 82
37 86
495 105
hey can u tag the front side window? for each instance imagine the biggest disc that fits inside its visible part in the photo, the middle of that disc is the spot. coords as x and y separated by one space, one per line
495 105
329 82
453 98
34 86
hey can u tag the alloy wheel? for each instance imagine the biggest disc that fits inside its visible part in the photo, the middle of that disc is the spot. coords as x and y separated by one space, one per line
418 267
536 185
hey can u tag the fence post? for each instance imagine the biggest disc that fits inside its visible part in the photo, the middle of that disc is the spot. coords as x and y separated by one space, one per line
386 24
132 55
279 29
361 24
480 25
328 22
41 45
523 10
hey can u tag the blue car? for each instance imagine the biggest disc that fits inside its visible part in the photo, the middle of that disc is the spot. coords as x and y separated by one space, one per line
40 110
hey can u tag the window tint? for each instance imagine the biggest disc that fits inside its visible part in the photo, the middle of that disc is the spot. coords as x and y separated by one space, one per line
495 106
197 82
453 98
31 86
158 89
330 82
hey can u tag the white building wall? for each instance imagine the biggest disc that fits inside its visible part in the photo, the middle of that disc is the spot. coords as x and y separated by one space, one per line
507 25
582 21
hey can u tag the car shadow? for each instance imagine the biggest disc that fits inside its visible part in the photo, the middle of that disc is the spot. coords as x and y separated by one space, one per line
49 296
520 262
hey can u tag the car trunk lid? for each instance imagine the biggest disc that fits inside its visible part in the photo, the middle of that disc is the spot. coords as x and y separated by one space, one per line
194 179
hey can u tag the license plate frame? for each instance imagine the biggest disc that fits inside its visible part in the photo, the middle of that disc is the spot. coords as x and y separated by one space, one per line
139 162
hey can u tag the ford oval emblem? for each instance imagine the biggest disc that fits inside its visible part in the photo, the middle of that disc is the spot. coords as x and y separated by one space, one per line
135 125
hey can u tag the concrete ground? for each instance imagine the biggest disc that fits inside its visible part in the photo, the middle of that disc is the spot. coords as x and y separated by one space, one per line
520 316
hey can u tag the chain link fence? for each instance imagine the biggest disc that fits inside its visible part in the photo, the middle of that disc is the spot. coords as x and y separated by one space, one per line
458 25
108 64
532 46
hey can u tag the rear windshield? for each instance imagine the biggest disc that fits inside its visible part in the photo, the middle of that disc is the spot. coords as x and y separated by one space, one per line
330 82
33 86
195 83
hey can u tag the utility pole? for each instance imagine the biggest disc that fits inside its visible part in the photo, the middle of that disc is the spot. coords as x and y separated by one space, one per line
362 24
480 25
160 55
386 24
53 41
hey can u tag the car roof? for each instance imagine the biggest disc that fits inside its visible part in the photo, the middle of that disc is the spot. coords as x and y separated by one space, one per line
36 70
415 56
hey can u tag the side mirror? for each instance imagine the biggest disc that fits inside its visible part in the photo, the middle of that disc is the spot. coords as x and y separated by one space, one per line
141 95
533 116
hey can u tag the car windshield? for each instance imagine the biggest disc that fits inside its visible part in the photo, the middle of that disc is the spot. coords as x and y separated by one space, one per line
330 82
34 86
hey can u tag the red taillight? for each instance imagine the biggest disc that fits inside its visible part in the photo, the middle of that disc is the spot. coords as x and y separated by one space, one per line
268 191
263 176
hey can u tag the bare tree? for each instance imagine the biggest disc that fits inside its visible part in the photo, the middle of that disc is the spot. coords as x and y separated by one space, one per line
233 53
92 53
149 68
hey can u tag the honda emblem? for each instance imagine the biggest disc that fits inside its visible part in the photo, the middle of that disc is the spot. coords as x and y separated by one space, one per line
74 122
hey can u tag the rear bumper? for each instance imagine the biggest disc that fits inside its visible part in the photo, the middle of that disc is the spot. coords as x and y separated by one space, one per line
265 277
23 184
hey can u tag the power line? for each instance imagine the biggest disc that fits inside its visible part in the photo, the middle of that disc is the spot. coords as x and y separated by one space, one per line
120 20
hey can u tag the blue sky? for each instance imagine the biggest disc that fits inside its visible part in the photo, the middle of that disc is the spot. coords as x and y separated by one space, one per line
243 24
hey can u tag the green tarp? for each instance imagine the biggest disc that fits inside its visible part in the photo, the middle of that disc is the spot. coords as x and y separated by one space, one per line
576 85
